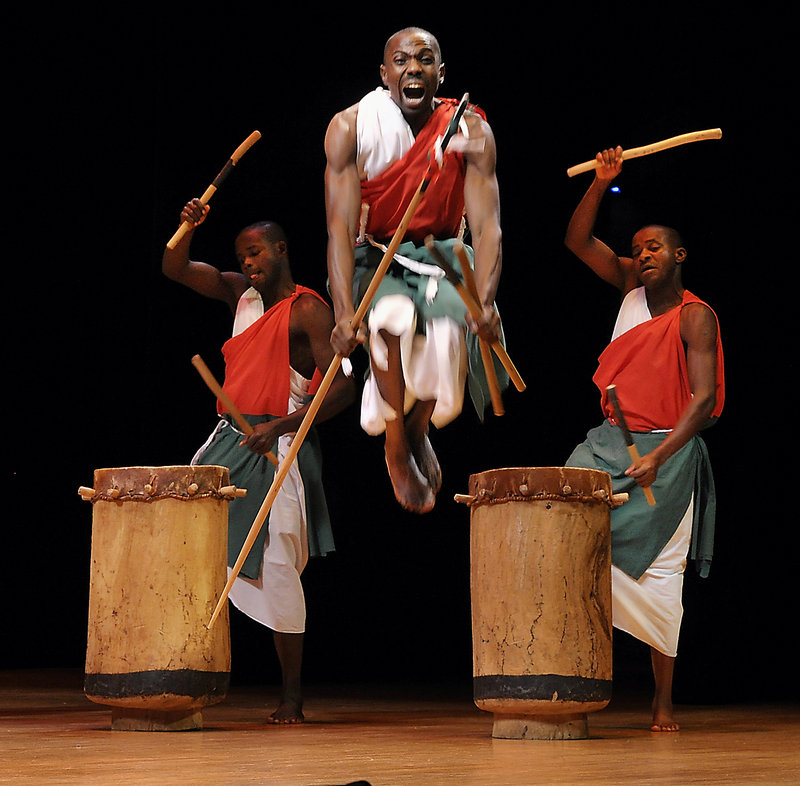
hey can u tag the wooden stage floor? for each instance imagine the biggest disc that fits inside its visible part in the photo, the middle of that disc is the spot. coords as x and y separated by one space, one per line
51 734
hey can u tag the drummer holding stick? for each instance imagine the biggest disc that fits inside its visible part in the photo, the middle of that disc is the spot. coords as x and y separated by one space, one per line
278 353
661 377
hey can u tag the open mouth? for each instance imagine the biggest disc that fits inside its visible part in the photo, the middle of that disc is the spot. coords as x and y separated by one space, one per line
414 92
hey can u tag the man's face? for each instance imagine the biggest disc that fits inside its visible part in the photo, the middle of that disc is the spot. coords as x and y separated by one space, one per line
259 259
655 255
412 71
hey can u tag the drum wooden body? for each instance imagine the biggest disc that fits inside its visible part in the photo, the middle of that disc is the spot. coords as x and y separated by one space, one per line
541 598
158 567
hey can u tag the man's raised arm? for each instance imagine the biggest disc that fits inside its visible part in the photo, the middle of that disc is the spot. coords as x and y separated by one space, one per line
580 239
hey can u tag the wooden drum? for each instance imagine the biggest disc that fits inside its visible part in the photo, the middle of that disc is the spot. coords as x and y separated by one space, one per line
158 567
541 598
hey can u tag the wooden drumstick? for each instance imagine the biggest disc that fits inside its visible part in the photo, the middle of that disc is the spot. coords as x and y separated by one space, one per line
475 310
486 352
632 449
656 147
334 366
319 396
219 392
216 183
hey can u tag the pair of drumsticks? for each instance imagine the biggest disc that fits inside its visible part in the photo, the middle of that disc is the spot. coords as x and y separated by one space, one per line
468 292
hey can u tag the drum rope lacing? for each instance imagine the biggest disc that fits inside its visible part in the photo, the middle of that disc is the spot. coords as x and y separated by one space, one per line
487 497
185 491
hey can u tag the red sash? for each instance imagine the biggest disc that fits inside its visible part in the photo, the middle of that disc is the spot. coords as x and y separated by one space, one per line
389 194
257 362
648 366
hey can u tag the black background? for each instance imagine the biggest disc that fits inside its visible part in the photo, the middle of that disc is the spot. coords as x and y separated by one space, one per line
119 117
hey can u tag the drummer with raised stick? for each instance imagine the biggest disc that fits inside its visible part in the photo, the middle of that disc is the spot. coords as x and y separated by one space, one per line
274 362
665 357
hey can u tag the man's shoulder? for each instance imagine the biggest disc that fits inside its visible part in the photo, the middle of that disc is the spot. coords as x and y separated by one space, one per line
698 322
309 303
477 124
345 119
692 304
340 136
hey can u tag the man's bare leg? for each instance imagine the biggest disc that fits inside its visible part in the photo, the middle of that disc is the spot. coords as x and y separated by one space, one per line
289 647
411 488
663 669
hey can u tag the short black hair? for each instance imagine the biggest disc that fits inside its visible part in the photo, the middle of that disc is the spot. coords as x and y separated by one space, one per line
272 232
673 235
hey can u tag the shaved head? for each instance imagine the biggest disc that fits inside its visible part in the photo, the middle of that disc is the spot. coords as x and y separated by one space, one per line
413 30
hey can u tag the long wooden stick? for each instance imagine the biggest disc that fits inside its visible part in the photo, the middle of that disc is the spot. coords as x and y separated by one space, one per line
632 449
319 396
498 348
327 380
656 147
219 392
216 183
486 352
330 374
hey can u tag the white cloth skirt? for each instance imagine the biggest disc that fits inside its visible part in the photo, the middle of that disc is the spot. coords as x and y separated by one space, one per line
651 609
276 599
434 365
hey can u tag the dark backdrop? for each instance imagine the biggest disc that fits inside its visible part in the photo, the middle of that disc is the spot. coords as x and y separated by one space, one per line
119 118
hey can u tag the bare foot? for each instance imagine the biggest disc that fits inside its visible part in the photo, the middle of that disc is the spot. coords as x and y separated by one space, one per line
416 433
289 712
411 489
663 720
663 668
427 462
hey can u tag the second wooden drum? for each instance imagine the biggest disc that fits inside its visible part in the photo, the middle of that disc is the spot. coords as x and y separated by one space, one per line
540 549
